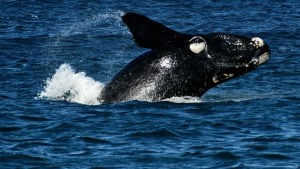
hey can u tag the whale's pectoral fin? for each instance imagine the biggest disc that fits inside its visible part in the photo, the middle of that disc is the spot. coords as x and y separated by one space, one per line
150 34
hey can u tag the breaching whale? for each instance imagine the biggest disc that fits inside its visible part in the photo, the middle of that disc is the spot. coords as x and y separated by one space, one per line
180 64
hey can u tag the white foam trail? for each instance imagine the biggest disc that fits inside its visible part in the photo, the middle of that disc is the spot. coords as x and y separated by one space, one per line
185 99
68 85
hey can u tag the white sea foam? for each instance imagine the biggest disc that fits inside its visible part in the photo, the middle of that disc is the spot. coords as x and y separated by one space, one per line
186 99
68 85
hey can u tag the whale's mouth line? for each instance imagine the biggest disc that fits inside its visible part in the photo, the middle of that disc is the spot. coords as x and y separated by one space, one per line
256 61
261 59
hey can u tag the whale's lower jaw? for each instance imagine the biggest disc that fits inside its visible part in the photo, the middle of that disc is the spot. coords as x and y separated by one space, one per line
263 58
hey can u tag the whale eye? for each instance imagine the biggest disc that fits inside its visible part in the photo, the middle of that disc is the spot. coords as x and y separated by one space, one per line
197 44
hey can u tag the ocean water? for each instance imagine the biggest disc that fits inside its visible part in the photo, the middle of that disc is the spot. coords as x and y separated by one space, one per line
56 56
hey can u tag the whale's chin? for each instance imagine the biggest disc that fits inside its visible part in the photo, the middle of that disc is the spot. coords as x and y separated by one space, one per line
263 58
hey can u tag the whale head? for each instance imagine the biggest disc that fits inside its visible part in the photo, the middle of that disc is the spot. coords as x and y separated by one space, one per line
237 50
234 55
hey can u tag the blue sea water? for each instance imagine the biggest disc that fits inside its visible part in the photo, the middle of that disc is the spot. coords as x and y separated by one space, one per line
57 55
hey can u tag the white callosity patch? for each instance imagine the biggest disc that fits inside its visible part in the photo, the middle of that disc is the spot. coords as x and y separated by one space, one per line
238 43
197 47
258 42
197 44
65 84
217 78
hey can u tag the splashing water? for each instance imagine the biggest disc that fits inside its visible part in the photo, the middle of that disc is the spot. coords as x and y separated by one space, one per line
68 85
89 24
186 99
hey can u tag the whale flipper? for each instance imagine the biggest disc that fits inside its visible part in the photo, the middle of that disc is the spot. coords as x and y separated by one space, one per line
150 34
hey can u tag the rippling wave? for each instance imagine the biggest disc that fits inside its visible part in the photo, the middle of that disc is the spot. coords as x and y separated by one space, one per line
56 57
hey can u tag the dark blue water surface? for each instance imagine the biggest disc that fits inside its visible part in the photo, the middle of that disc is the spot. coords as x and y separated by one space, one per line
50 47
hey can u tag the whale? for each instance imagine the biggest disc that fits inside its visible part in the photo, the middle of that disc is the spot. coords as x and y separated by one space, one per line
180 64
